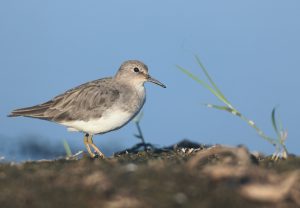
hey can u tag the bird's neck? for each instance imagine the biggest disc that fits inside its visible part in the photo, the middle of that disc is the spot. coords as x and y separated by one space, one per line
140 90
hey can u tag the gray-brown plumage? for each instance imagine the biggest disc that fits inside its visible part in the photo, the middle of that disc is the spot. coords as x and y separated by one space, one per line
98 106
84 102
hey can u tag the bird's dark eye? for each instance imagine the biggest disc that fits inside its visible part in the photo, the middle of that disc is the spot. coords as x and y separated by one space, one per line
136 69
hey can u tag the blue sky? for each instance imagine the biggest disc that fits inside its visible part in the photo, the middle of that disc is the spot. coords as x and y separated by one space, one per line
251 49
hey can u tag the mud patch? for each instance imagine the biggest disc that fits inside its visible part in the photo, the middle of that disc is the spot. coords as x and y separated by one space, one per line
181 176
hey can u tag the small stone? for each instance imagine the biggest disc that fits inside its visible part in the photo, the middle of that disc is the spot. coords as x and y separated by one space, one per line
131 167
180 198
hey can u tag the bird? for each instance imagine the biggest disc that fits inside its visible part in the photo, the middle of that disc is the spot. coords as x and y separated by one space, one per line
98 106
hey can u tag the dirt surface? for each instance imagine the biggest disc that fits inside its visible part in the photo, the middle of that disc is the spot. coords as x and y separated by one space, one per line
185 175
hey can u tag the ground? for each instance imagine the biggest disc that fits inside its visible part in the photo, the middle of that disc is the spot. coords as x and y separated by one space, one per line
184 175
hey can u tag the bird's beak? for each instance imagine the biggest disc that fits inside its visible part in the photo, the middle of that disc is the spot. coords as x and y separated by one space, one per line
155 81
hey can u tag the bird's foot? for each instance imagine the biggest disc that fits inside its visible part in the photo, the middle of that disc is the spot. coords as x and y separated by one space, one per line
96 155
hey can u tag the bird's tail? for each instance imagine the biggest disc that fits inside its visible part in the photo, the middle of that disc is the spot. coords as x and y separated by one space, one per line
36 111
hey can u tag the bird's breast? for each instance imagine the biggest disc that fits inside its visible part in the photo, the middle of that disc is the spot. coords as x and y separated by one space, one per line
109 121
133 100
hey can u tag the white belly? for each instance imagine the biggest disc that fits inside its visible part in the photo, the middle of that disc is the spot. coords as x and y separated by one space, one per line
109 121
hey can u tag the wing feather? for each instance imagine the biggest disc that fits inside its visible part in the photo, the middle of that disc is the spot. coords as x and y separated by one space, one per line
85 101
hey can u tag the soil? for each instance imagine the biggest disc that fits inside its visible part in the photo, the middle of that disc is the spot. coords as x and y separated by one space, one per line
183 175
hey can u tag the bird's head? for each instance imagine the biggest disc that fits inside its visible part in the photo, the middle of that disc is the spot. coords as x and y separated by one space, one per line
136 73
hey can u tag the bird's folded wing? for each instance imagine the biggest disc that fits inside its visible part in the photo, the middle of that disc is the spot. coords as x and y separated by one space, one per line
85 101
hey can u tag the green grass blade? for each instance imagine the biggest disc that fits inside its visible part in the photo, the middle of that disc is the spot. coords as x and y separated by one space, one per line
273 117
225 108
211 81
138 117
203 84
67 148
279 122
219 107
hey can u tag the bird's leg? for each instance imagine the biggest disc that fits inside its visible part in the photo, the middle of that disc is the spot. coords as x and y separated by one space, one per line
86 143
90 142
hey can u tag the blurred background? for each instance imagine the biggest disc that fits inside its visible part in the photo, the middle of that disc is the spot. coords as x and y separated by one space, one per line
251 49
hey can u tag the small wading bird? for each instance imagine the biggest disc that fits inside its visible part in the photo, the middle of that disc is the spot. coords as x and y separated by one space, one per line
98 106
